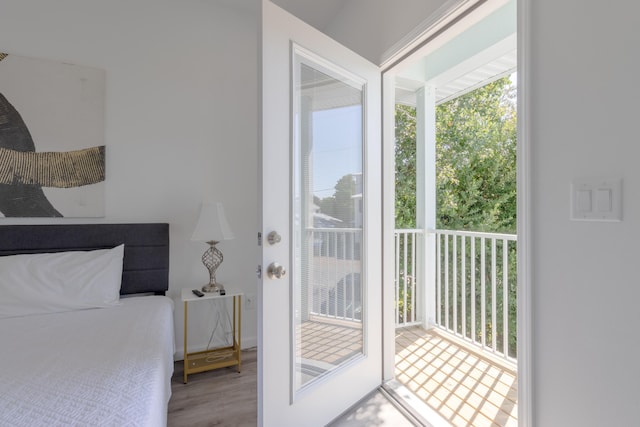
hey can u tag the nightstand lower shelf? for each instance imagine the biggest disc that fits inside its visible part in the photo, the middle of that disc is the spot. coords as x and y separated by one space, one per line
201 361
221 357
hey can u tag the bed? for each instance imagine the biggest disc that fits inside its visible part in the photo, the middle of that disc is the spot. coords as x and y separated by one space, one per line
66 359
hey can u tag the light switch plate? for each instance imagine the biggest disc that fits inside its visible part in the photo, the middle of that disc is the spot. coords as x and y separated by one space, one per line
596 199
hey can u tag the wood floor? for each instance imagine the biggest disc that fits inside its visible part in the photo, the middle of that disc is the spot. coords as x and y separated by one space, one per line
226 398
464 386
222 397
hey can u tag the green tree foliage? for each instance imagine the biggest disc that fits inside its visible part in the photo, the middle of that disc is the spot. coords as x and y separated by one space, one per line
475 186
405 156
340 204
475 161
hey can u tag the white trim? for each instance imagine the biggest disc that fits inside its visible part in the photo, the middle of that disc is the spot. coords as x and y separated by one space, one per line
332 70
408 46
299 56
260 332
414 406
436 21
388 228
525 318
435 25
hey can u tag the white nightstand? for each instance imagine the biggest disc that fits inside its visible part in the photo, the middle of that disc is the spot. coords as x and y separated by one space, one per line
201 361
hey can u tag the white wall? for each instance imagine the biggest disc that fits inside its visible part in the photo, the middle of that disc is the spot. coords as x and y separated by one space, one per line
584 115
181 119
181 103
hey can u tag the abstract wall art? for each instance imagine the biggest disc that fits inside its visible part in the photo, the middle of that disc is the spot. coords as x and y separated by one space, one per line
52 152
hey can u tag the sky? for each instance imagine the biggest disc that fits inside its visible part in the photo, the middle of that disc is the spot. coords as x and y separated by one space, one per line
337 147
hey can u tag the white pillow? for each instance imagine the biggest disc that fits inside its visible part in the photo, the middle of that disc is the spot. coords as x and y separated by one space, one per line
56 282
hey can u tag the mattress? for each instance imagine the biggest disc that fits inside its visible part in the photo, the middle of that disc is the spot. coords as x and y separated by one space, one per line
98 367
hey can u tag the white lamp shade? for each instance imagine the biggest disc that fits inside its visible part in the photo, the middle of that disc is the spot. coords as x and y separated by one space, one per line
212 224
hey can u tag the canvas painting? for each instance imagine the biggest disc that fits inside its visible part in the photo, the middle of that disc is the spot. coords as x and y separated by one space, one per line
52 152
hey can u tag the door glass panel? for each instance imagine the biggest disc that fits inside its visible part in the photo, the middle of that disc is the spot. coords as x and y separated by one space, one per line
328 283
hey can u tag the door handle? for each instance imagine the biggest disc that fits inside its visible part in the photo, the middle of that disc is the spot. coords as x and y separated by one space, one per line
273 238
276 271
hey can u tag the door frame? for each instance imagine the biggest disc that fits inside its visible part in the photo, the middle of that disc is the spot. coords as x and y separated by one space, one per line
451 12
524 177
400 50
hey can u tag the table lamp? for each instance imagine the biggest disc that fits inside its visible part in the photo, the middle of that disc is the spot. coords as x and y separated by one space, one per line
212 227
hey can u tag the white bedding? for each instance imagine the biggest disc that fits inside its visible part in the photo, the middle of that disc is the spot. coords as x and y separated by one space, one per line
96 367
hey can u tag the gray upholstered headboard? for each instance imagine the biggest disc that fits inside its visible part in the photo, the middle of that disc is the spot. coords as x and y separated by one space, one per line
146 248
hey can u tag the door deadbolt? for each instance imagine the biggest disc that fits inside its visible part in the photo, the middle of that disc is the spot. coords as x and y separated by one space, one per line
273 238
276 271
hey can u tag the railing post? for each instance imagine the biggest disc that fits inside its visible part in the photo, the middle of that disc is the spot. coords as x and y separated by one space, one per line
426 204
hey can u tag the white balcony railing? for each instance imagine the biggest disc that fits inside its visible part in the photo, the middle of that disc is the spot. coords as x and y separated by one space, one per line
475 286
334 273
474 282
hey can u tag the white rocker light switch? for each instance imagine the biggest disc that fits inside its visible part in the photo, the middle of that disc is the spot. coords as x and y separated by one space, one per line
596 199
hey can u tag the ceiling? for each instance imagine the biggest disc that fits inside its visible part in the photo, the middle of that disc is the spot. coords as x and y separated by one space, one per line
471 57
452 85
495 58
242 5
484 74
317 13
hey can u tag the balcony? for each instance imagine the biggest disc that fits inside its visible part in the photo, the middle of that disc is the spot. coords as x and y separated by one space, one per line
455 336
455 317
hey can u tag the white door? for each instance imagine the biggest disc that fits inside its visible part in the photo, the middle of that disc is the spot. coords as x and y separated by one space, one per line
320 340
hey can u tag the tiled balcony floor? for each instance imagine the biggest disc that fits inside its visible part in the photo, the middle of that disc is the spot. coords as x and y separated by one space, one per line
466 387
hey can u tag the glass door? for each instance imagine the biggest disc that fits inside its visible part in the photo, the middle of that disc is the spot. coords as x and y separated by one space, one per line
320 321
328 218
